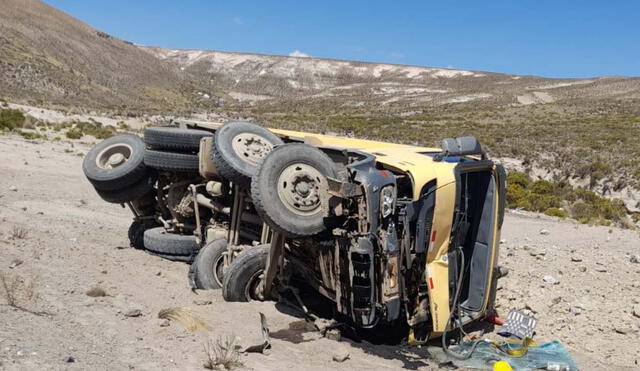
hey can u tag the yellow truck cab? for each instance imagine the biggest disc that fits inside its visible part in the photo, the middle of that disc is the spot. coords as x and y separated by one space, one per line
422 245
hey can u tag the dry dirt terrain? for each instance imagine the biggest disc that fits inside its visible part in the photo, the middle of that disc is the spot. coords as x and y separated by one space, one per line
57 234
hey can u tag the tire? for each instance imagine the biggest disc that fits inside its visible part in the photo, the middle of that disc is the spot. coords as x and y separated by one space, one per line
136 235
171 161
278 208
208 265
233 158
159 241
131 193
243 274
173 138
115 163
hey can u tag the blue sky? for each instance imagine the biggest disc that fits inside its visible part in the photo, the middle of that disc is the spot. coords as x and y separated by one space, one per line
559 38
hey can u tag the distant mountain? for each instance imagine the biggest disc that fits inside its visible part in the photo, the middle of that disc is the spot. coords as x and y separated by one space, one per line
255 77
49 57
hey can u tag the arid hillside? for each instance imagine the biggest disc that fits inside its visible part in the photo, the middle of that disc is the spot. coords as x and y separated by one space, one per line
49 57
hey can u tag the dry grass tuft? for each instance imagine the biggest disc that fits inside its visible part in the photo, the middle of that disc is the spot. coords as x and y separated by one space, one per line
19 233
96 291
221 352
19 292
185 316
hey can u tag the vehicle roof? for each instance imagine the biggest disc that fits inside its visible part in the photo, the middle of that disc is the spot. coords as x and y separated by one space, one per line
401 156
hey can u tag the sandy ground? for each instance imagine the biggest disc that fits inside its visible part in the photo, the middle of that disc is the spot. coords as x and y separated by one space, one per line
75 241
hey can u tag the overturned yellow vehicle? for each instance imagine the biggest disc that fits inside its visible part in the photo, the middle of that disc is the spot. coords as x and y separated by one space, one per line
391 234
388 234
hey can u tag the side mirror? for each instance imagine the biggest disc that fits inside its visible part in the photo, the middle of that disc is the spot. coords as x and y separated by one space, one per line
462 146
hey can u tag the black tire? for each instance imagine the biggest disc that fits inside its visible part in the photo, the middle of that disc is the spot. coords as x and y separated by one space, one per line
103 175
173 138
208 265
270 205
131 193
236 167
136 235
171 161
242 275
159 241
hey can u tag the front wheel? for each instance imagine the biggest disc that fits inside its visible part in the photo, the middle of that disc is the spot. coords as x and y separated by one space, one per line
243 278
288 188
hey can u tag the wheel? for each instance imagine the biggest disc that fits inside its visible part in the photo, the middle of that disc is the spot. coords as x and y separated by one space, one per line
136 235
173 138
239 147
130 193
171 161
242 280
208 265
115 163
298 172
159 241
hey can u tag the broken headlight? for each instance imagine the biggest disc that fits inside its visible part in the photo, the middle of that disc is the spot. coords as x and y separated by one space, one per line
387 200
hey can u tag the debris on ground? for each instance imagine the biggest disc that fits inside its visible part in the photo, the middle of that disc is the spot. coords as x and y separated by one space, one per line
266 340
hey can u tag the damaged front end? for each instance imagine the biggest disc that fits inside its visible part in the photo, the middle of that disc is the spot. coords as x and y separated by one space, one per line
400 240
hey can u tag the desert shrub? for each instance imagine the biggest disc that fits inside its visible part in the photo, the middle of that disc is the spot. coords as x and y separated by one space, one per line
518 178
221 353
11 119
517 197
554 211
95 129
553 198
74 133
543 187
31 135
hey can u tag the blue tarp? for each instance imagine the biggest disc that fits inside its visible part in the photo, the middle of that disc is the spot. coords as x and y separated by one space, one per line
538 357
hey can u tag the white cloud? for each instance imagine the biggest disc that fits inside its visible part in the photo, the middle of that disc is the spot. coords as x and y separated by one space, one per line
238 20
299 54
397 55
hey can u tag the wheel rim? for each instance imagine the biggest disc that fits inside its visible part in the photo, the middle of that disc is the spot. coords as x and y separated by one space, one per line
218 270
299 188
253 290
250 147
114 156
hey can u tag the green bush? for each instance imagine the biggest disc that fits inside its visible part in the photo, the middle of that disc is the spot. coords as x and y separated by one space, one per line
549 197
542 187
554 211
74 133
31 135
11 119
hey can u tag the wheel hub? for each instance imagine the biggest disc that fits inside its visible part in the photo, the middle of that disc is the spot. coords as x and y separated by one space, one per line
116 159
113 156
254 290
251 147
299 188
